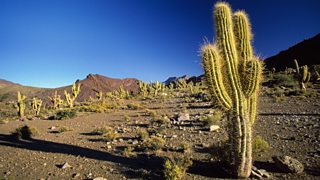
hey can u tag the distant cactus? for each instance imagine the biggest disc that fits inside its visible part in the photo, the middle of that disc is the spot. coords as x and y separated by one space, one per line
143 89
233 75
71 98
303 75
36 105
171 86
157 88
21 104
99 95
318 75
56 100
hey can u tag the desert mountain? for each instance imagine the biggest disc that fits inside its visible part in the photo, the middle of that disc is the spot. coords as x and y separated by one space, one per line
306 52
89 86
187 78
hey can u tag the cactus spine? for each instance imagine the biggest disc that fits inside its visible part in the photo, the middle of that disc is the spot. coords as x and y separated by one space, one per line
21 104
303 76
75 92
224 63
36 105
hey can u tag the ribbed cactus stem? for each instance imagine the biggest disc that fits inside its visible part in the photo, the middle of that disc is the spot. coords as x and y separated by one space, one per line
303 75
21 105
224 64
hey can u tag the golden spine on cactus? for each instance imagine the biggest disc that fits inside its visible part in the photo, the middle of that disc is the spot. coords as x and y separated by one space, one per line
21 105
233 77
36 105
75 92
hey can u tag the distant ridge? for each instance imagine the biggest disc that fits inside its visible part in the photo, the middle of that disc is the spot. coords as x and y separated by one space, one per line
187 78
306 52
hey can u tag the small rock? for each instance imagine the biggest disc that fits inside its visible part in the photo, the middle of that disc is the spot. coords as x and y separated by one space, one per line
99 178
75 175
214 128
109 147
89 175
288 164
174 136
184 117
52 127
65 165
135 142
264 173
256 175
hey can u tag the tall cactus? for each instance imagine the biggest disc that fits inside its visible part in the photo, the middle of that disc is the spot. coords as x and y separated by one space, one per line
303 76
21 104
75 92
233 75
36 105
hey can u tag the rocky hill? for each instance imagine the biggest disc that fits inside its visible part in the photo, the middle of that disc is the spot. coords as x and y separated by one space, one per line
89 86
306 52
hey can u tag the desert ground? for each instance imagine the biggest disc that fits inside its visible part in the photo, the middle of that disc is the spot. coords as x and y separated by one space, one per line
290 126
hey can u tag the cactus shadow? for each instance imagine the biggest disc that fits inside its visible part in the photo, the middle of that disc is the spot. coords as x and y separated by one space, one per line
131 167
209 169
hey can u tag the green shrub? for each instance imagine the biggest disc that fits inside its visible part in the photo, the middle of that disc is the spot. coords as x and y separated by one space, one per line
160 120
25 132
142 134
64 129
98 106
185 148
64 114
134 106
259 145
286 80
175 167
153 144
129 152
110 135
101 130
213 119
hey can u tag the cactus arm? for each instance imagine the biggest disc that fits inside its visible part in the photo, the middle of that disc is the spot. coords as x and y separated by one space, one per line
211 65
243 35
252 77
297 66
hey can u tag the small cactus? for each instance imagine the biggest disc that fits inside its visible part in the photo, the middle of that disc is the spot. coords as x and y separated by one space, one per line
75 92
36 105
21 104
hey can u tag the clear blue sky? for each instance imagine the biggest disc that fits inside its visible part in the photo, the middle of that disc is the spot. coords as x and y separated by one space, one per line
51 43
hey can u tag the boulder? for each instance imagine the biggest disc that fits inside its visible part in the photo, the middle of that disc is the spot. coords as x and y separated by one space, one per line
288 164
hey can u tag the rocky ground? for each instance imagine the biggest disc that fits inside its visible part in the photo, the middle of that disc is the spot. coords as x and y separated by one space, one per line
291 127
